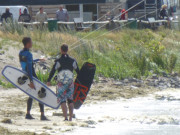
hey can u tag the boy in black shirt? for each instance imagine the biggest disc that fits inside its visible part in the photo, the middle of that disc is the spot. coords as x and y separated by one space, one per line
65 88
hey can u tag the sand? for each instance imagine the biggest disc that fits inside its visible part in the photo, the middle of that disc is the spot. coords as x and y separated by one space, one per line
13 110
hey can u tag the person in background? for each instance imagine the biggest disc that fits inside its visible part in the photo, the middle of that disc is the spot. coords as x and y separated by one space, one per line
62 14
163 12
7 15
123 14
65 90
24 17
109 16
164 15
41 16
26 61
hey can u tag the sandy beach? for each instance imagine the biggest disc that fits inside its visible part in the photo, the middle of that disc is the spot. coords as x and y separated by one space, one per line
104 117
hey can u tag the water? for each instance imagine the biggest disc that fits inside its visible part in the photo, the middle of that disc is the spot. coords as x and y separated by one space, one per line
138 116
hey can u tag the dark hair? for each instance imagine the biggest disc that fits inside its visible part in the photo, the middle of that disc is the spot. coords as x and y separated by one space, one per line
64 48
25 11
26 40
40 8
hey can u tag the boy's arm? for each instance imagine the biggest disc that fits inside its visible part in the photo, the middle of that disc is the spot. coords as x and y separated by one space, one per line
36 60
29 67
53 70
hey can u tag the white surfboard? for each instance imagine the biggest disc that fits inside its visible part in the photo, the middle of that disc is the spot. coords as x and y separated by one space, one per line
20 80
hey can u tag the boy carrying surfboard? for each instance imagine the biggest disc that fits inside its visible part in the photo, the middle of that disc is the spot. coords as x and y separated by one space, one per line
26 61
65 87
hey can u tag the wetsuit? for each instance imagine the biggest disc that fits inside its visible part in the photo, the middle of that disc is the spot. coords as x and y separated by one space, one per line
65 63
26 61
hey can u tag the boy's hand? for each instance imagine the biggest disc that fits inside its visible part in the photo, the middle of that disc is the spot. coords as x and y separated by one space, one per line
48 84
31 85
42 60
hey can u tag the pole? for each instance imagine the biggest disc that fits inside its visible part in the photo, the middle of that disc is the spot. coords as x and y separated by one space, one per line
81 11
97 11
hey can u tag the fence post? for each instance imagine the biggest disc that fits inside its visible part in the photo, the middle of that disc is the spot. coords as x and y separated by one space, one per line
81 10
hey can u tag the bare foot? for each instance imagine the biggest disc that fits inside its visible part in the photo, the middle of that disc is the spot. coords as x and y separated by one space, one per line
70 119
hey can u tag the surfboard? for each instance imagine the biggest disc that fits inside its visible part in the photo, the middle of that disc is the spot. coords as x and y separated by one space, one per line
83 84
20 80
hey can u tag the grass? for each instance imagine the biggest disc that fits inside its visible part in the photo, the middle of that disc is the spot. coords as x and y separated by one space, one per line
43 77
6 85
119 54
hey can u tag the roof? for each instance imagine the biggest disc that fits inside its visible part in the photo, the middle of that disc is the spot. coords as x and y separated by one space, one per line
47 2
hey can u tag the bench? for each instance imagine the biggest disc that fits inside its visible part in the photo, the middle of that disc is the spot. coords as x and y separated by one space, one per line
79 26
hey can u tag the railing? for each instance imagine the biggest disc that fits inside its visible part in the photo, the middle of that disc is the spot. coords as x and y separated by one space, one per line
98 24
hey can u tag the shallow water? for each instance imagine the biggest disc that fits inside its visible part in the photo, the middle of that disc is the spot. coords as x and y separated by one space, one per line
139 116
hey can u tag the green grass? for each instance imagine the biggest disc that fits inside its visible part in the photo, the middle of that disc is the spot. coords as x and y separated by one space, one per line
119 54
43 77
6 85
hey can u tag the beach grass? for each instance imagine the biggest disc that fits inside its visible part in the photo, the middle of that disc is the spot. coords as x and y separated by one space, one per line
119 54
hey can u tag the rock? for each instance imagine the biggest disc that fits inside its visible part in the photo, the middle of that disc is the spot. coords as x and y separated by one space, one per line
133 80
90 122
174 74
134 87
156 83
161 84
159 97
169 85
138 85
171 98
7 121
154 76
100 121
118 83
103 81
48 128
172 81
126 81
150 84
164 74
162 87
55 124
